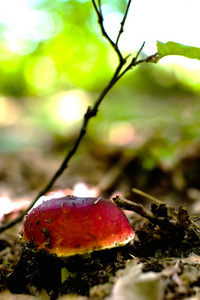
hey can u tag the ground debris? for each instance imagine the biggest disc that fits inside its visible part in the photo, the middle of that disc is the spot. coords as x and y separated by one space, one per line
168 279
164 227
6 295
165 255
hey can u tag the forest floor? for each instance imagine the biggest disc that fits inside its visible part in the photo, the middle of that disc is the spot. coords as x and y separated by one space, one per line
163 261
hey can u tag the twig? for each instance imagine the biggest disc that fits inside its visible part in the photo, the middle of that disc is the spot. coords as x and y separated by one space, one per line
104 33
165 222
143 194
132 206
91 111
173 222
123 23
158 202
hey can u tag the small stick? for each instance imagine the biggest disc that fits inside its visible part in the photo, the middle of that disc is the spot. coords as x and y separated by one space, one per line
132 206
141 193
122 23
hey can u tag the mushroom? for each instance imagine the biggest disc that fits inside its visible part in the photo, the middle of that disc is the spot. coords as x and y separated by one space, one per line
71 225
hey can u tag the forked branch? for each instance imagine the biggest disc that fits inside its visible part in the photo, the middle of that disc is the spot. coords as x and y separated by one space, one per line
98 10
91 111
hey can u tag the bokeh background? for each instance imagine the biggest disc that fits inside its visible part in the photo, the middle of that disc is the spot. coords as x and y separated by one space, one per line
54 62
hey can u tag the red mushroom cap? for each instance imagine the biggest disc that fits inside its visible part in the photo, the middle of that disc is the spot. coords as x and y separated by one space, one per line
72 225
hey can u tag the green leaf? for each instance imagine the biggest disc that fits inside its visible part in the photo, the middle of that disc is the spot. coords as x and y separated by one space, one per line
172 48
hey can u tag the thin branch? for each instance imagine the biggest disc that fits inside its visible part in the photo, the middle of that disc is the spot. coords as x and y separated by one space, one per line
100 21
132 206
143 194
91 111
173 221
123 23
104 33
139 209
158 202
138 53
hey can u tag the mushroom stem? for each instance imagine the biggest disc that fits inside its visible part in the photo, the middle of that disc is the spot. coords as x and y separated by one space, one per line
65 274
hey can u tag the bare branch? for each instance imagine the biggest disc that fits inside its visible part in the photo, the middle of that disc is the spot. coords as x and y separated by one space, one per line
136 207
143 194
104 33
123 23
91 111
174 220
136 62
168 221
100 21
138 53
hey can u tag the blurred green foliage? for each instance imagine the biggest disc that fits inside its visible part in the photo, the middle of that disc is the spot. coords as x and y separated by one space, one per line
61 49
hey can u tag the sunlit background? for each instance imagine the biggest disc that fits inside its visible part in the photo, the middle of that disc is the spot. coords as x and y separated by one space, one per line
54 63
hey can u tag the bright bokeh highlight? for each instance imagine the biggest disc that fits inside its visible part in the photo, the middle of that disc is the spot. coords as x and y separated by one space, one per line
24 25
69 107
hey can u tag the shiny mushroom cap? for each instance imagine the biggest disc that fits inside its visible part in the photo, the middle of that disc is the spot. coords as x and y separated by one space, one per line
71 225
